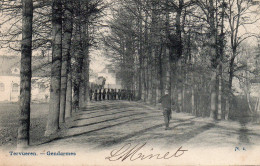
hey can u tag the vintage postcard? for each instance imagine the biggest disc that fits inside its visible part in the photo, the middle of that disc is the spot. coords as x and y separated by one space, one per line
129 82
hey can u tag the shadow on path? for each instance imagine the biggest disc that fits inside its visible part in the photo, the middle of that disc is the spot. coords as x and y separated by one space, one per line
105 107
112 119
94 130
194 127
140 132
186 136
104 115
243 132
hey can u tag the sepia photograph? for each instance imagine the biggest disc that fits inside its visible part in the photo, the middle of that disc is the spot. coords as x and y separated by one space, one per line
129 82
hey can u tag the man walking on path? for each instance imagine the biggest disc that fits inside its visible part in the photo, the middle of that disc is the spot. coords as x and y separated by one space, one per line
166 105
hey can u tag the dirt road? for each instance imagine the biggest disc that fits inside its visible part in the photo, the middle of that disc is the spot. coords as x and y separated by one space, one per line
108 124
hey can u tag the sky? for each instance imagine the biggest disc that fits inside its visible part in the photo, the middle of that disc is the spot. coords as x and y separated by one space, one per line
98 61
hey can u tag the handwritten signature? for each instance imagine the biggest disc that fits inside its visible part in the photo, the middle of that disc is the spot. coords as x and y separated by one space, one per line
134 152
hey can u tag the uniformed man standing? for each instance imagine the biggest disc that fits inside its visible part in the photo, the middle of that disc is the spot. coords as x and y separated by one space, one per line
166 105
115 94
123 94
108 94
129 95
90 94
104 94
119 94
132 95
95 95
112 94
100 95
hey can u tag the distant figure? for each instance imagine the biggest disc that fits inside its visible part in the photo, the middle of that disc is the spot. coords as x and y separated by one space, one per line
104 94
115 95
95 95
119 94
131 95
46 97
112 94
90 94
128 95
166 105
100 95
124 94
134 98
108 94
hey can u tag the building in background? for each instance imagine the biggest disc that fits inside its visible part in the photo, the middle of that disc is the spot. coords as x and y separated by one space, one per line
10 79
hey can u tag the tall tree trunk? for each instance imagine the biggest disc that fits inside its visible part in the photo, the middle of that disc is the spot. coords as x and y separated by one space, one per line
169 55
140 53
86 61
247 91
213 96
179 84
150 79
221 55
162 69
146 60
75 98
68 112
82 70
179 30
82 83
178 53
86 77
140 75
25 74
154 52
229 95
220 93
180 98
77 82
153 77
213 54
168 72
144 96
183 96
227 108
54 106
82 91
193 109
67 28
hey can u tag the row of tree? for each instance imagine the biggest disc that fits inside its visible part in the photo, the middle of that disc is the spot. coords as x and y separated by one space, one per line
190 47
67 29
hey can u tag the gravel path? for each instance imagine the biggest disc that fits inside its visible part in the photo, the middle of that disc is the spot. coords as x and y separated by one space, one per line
101 129
103 125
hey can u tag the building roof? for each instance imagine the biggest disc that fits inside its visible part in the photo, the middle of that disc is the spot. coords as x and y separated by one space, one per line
7 63
40 66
